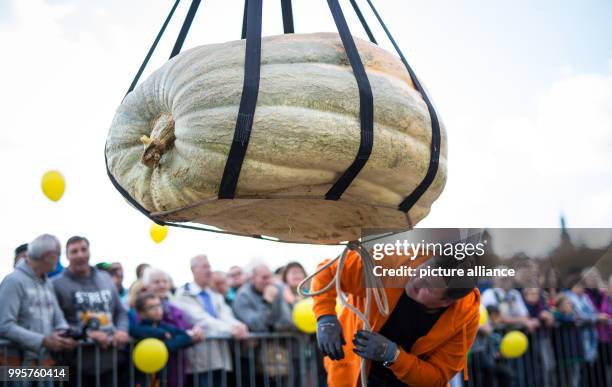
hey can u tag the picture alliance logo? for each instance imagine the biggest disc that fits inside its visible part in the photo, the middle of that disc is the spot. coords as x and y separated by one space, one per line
431 249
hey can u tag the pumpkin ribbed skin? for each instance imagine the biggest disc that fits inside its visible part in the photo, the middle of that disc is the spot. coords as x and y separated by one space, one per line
305 134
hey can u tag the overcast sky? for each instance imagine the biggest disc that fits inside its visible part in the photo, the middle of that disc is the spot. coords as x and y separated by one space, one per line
524 89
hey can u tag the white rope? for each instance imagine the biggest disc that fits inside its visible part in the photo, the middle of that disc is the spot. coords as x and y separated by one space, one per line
372 284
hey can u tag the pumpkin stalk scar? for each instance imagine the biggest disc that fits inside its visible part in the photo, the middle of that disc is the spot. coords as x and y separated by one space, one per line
161 139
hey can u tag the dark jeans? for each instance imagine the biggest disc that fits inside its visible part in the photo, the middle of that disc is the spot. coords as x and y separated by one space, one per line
488 372
209 379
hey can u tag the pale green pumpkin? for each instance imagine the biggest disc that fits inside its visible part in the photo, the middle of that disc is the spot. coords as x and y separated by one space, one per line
170 137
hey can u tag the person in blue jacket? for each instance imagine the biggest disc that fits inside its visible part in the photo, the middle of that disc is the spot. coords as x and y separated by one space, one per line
149 325
150 313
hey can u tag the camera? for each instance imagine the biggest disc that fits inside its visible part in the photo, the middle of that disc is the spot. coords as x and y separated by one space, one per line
92 324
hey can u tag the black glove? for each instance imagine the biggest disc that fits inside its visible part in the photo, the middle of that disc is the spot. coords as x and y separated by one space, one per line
372 346
329 336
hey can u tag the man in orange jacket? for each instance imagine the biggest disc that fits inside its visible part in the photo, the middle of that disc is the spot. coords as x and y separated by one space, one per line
423 342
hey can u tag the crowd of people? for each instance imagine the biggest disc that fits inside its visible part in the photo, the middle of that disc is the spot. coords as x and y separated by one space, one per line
569 325
48 309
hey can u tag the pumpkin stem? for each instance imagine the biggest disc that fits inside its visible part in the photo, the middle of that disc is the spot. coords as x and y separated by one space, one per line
160 140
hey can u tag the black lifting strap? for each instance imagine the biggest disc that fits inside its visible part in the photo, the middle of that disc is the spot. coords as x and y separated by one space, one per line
152 48
177 48
125 194
115 183
287 11
366 106
363 21
287 16
248 102
434 159
185 28
244 20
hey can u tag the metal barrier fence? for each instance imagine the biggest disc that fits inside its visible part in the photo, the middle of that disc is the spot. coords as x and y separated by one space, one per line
555 357
565 355
269 360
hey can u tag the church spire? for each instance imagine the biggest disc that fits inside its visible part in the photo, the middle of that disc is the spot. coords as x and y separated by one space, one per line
564 234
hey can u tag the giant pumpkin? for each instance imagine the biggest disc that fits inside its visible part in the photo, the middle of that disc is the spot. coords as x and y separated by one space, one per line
170 137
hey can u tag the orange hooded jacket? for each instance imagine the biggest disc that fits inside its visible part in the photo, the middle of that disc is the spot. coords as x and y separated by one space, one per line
432 360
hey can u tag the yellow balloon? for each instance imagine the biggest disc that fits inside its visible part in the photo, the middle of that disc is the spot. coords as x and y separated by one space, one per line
484 315
304 317
158 233
53 185
150 355
513 345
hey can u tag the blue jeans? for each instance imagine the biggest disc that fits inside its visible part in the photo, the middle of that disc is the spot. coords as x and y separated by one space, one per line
208 379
